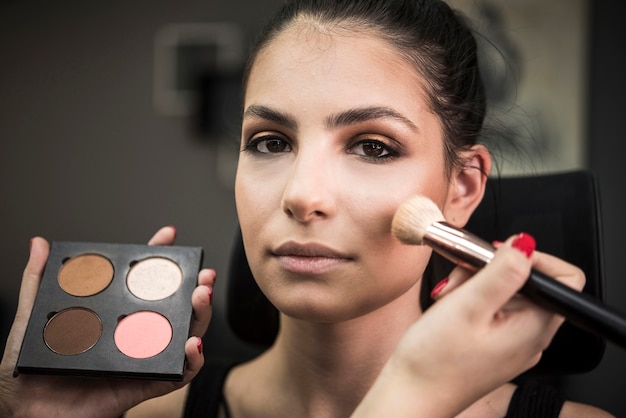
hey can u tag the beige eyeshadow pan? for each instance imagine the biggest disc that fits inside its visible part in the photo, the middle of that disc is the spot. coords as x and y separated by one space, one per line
154 278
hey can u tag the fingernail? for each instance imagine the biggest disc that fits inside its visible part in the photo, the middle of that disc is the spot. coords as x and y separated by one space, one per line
524 243
30 247
175 231
210 293
495 243
439 287
199 345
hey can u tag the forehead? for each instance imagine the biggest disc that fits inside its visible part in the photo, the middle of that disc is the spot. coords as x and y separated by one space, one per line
343 59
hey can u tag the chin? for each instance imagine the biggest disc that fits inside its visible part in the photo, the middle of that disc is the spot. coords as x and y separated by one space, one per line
322 307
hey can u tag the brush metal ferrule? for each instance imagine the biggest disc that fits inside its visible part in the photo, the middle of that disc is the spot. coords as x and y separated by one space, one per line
459 246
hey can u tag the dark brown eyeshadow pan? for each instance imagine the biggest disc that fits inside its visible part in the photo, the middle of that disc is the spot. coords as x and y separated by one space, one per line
72 331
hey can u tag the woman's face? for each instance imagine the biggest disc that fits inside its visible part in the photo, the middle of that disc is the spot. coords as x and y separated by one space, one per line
336 135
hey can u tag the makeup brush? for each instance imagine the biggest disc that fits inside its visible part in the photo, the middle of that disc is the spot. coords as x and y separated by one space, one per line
418 221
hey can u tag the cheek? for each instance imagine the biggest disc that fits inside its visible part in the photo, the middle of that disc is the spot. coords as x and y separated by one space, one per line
252 207
393 272
382 253
372 215
395 261
257 195
372 202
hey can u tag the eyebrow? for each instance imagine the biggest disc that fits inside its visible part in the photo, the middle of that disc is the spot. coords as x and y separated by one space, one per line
364 114
345 118
267 113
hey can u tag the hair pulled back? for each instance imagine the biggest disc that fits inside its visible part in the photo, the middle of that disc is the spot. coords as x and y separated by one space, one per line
428 33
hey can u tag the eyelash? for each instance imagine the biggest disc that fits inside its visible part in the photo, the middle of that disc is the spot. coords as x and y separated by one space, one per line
391 152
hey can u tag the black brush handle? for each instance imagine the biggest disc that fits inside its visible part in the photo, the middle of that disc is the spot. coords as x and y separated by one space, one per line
586 312
578 308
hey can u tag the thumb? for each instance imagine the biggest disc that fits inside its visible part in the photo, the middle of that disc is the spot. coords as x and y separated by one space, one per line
494 285
39 250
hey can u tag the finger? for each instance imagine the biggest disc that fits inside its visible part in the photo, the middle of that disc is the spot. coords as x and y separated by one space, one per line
207 277
39 250
201 300
552 266
517 303
457 277
164 236
532 324
495 284
559 269
195 357
555 267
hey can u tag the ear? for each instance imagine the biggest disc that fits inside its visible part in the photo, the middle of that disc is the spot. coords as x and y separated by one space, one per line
467 185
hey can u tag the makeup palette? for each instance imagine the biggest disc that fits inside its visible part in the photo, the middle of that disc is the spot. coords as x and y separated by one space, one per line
117 310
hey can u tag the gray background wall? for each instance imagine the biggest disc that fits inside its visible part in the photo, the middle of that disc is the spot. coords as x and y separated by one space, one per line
85 156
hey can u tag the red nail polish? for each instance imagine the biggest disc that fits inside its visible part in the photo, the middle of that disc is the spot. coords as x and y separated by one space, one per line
210 293
439 287
525 243
199 345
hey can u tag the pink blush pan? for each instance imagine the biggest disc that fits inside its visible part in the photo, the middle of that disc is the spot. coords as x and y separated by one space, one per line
143 334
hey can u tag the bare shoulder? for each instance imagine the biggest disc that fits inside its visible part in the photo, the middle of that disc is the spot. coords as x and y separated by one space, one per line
579 410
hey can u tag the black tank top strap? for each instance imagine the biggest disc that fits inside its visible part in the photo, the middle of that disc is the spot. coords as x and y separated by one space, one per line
535 400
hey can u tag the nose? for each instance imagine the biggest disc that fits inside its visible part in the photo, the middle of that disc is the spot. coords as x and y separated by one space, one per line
308 194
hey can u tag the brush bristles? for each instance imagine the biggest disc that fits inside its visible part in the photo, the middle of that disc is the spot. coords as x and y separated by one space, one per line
413 217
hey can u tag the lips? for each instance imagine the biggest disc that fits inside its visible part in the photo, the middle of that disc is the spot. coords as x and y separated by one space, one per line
309 258
307 250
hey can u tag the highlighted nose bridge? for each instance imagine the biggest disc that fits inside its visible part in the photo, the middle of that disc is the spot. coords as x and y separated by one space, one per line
308 191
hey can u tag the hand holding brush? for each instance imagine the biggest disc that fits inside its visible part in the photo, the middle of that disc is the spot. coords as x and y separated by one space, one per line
420 222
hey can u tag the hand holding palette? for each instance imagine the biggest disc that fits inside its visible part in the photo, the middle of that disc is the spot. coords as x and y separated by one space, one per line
117 310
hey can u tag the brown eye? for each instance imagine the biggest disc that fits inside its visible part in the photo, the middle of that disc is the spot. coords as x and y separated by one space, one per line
371 149
268 145
275 145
